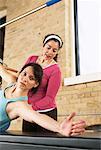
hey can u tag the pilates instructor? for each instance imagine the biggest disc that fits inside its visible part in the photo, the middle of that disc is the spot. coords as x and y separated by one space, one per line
44 100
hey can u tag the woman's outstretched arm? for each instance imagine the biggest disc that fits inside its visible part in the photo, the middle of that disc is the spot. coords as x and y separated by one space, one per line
6 76
25 111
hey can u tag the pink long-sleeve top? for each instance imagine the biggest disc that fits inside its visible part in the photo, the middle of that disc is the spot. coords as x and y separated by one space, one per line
45 97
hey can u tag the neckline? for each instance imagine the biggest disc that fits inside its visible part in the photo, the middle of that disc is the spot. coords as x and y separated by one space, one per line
12 98
49 65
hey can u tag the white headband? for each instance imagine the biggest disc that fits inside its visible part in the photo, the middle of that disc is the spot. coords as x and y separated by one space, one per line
53 37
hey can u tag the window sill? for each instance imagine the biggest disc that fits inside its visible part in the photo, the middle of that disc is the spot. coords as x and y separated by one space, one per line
82 79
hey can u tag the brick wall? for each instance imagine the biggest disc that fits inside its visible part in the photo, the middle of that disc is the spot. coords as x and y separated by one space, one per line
24 38
84 99
2 4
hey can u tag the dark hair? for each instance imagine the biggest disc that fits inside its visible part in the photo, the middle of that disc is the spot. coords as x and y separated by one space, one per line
38 73
54 39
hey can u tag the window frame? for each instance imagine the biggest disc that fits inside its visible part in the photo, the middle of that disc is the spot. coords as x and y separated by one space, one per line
76 78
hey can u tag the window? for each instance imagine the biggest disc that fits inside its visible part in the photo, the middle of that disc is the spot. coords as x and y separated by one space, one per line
2 35
86 24
87 20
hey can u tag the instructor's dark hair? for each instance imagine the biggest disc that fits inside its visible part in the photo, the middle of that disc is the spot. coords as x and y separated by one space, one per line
55 38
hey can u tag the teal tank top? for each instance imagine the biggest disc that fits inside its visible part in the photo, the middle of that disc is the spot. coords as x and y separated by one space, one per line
4 119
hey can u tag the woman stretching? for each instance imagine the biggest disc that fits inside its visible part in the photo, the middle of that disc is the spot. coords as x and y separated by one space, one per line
13 103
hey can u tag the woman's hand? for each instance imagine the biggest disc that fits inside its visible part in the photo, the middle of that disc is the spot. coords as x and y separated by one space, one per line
66 125
78 128
70 128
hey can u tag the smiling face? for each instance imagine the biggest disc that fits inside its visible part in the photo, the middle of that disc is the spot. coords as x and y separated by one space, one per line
50 49
26 79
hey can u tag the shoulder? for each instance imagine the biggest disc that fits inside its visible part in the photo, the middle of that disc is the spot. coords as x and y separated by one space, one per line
52 70
32 58
55 68
56 72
